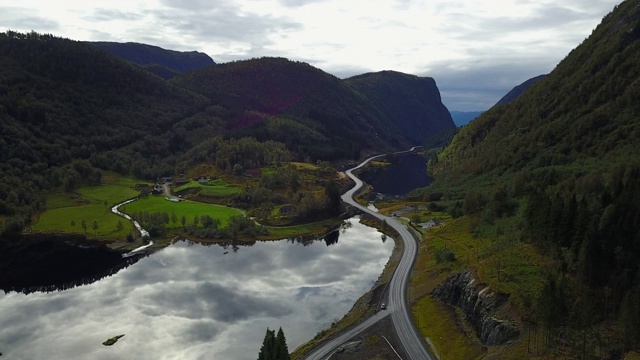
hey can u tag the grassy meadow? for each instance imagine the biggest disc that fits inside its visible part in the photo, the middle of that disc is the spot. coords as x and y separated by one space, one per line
188 209
66 211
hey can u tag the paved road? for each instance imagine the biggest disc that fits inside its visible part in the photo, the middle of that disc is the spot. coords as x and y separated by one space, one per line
397 303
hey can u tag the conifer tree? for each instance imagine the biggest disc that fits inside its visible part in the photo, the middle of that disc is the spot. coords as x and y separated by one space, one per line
274 347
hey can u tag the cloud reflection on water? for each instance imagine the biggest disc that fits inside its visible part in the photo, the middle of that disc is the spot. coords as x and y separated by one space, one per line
192 301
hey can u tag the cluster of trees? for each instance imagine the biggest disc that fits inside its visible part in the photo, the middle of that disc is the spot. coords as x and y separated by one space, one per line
203 226
243 153
309 204
590 223
274 347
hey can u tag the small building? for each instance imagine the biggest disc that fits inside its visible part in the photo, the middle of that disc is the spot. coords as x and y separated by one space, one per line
166 179
180 181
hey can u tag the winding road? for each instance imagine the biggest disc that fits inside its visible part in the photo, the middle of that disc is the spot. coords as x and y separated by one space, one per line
143 232
409 337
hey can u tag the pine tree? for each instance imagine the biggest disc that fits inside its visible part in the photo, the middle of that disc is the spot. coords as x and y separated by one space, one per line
282 351
274 347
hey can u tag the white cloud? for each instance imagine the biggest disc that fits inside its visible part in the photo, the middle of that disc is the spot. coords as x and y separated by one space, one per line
420 37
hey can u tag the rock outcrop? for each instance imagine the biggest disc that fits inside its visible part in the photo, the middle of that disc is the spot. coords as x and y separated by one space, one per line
478 304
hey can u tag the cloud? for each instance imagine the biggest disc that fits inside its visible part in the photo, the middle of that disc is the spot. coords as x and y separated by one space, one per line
480 86
102 14
23 19
299 3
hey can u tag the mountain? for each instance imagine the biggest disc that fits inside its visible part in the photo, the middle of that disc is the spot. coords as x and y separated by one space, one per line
518 90
164 63
69 109
309 110
412 103
557 168
64 103
464 117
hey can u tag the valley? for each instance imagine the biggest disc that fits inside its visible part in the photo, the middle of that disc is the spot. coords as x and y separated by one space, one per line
512 236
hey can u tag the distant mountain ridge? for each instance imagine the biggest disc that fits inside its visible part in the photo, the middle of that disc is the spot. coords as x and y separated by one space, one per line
464 117
518 90
162 62
412 103
291 100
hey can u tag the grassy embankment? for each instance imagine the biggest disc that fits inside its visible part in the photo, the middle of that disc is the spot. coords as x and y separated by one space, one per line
499 261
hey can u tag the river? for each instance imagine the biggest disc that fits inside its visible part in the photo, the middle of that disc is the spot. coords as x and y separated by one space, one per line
190 301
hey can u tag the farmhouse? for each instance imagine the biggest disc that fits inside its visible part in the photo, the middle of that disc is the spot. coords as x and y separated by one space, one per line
179 181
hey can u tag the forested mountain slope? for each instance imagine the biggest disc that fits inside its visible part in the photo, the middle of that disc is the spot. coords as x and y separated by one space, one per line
413 103
518 90
313 112
584 111
566 150
63 101
162 62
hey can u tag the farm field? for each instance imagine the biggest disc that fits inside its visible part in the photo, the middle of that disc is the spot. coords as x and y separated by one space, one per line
188 209
66 211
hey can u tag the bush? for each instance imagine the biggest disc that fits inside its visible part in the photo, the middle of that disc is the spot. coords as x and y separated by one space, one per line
445 255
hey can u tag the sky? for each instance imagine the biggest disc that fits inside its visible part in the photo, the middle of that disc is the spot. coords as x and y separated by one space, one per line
475 50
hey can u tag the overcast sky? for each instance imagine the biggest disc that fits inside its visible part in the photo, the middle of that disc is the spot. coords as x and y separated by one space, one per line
476 50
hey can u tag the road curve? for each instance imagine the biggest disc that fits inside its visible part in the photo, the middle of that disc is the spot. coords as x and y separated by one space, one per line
143 232
397 303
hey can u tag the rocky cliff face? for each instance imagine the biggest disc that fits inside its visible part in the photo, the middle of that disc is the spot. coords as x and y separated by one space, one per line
478 304
412 103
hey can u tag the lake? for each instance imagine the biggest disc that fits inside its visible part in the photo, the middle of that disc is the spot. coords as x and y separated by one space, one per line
190 301
405 172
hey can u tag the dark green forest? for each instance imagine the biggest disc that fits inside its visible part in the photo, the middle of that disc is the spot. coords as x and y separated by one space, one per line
561 163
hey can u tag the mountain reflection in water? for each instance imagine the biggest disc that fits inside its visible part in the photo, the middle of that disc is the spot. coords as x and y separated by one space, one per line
54 262
196 302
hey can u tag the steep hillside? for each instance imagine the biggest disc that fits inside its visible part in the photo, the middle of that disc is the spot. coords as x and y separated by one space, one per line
518 90
162 62
412 103
584 111
63 101
310 110
558 168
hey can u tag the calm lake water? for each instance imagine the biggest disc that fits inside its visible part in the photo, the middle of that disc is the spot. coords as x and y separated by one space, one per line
191 301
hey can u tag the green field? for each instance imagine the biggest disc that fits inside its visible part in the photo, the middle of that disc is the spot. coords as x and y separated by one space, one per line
214 188
188 209
92 203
